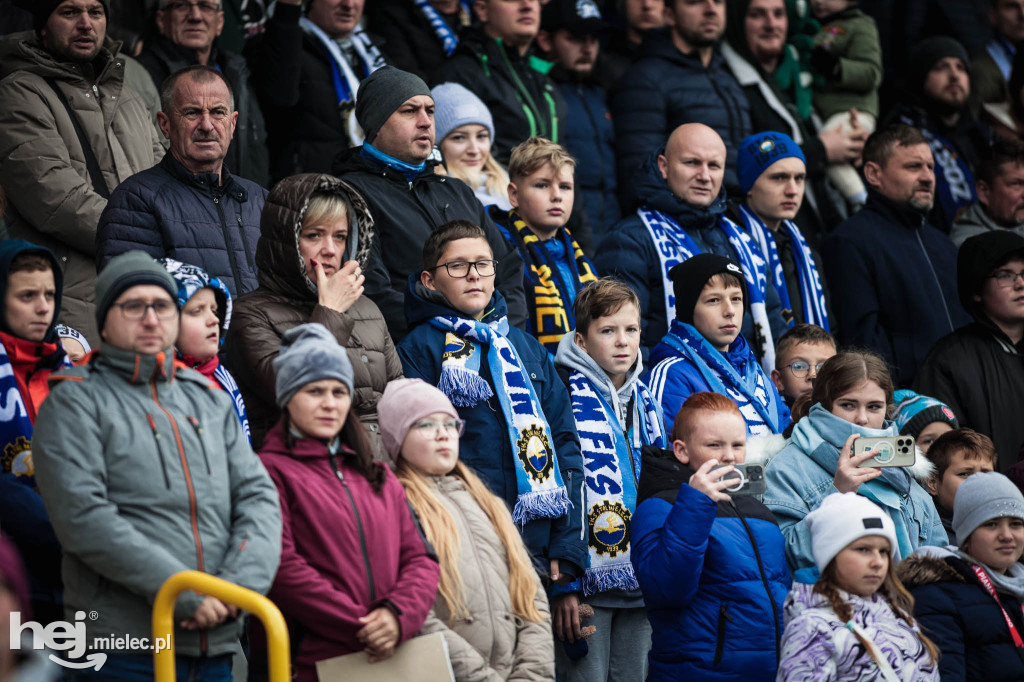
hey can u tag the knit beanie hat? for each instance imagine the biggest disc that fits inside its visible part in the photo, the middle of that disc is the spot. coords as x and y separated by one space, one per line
842 518
456 106
977 257
125 271
926 53
42 9
759 151
191 279
309 353
405 402
690 276
914 412
982 497
381 94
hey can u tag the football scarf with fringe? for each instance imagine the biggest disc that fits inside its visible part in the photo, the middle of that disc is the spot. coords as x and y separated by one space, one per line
611 463
346 81
541 493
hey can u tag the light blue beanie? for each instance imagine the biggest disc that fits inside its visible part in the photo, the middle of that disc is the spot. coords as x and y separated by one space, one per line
456 106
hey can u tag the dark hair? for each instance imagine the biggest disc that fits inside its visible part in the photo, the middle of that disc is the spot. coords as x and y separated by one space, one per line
802 333
30 262
882 143
604 297
974 445
726 280
358 454
434 247
842 372
198 74
995 156
706 401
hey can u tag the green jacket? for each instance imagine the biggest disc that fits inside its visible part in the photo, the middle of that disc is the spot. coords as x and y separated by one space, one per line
145 472
853 37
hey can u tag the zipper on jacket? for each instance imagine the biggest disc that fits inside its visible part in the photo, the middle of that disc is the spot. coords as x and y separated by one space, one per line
159 454
228 243
519 85
198 428
723 616
245 246
938 284
359 524
764 581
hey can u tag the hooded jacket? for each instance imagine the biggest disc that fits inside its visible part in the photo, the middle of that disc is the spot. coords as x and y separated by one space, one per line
146 472
979 372
493 643
892 284
405 212
818 647
801 476
50 196
628 252
345 551
485 443
713 575
287 298
665 88
975 221
960 617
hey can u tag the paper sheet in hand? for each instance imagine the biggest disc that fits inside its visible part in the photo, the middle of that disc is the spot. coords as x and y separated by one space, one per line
421 659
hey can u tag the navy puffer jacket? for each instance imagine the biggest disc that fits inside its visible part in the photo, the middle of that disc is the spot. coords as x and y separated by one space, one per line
713 575
168 212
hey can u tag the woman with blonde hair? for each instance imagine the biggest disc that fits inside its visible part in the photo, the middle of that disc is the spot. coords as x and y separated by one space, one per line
490 604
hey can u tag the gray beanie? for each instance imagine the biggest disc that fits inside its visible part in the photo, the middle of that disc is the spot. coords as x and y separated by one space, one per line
982 497
309 353
381 94
124 272
456 106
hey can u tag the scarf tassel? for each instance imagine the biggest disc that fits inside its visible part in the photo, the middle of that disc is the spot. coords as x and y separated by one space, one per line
609 577
464 387
537 504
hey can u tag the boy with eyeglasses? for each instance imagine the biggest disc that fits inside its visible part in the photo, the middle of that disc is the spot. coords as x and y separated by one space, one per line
520 434
799 355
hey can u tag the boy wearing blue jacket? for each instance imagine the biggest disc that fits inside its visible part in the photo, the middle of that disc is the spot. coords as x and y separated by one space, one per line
520 436
705 351
712 567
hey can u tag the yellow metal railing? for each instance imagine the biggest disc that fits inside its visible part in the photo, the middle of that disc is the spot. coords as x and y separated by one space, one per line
278 658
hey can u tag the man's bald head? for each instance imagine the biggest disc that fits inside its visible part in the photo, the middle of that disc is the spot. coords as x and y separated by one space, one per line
693 164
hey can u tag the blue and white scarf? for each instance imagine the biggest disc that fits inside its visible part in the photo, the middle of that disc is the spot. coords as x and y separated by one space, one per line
611 468
752 391
674 246
812 295
15 425
230 386
541 493
444 33
954 181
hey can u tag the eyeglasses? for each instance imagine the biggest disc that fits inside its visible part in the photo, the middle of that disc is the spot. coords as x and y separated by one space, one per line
180 7
460 268
799 368
136 310
430 428
1006 278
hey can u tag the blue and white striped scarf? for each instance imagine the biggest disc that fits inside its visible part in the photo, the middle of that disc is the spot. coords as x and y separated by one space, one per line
15 425
228 383
444 33
611 463
541 493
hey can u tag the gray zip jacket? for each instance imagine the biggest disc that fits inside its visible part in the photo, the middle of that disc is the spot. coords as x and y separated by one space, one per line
145 472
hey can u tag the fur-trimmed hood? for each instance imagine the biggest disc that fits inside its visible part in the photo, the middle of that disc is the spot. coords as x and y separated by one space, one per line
932 565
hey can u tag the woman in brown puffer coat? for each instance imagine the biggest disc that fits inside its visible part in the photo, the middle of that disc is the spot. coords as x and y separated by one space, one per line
315 236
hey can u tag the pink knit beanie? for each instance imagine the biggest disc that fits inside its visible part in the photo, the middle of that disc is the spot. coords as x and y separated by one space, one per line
405 402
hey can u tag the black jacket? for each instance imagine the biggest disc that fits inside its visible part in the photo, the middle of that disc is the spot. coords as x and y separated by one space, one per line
664 89
521 97
404 214
247 155
412 43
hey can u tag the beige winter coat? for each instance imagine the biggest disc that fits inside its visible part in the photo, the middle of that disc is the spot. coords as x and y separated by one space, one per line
493 643
42 165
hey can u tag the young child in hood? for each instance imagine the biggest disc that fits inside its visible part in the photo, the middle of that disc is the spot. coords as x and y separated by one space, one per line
855 624
205 305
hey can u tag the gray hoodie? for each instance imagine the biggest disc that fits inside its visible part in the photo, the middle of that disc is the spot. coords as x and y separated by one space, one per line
975 221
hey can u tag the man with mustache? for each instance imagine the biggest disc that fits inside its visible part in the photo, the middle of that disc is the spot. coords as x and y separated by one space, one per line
189 207
892 275
70 131
1000 205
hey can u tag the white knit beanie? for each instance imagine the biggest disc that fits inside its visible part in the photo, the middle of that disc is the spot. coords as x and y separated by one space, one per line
843 518
456 106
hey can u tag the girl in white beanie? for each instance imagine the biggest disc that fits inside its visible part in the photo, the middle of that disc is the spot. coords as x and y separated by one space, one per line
855 623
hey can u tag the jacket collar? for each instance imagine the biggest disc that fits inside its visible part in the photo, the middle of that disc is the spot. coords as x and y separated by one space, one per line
137 368
354 160
24 352
652 191
659 44
207 183
900 213
301 448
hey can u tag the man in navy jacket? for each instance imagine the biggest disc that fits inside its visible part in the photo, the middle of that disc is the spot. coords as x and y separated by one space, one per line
893 275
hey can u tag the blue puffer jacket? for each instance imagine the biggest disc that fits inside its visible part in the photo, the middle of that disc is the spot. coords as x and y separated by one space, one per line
801 476
485 443
662 90
628 253
713 575
168 212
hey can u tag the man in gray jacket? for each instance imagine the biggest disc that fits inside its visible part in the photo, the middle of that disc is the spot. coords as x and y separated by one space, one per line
1000 204
145 472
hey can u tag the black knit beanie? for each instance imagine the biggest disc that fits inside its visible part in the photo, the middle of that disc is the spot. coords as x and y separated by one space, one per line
977 257
690 276
927 53
42 9
381 94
